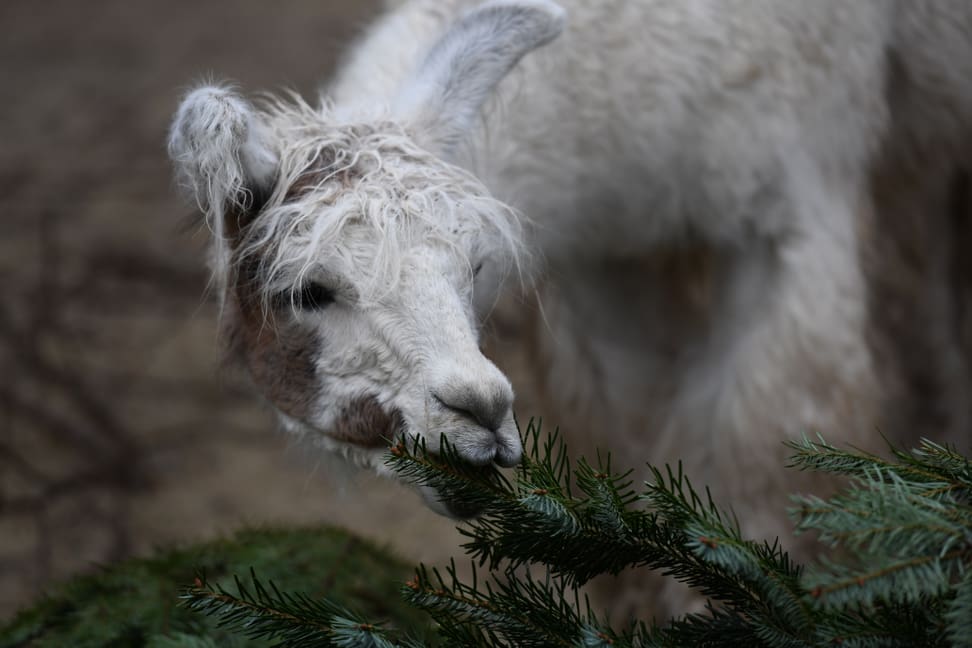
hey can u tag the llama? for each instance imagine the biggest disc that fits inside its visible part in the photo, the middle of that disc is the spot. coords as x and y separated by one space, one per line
684 187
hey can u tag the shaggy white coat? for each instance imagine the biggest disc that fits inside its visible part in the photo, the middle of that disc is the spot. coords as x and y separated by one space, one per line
691 175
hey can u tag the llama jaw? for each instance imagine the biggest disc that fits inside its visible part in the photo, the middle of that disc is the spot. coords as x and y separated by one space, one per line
374 457
362 431
365 424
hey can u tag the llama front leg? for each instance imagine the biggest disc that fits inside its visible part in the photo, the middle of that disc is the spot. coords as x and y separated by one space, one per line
788 355
712 356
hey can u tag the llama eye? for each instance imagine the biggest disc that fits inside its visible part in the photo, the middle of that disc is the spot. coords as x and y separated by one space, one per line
476 270
310 297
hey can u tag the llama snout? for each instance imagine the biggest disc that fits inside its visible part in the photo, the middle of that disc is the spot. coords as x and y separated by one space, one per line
475 410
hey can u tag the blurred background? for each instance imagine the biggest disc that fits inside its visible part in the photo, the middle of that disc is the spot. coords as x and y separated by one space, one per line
119 431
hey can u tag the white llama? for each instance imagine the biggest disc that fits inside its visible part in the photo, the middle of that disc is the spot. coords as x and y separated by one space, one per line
682 182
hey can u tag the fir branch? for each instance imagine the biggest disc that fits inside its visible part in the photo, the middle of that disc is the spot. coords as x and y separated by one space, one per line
717 628
905 524
942 468
905 580
519 520
907 542
479 488
513 609
599 531
958 616
882 513
945 463
181 640
882 627
905 527
292 618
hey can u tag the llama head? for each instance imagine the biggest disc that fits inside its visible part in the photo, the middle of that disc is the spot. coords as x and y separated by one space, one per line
355 262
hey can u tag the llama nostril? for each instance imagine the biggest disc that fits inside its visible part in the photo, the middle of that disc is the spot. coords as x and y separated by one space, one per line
465 412
490 413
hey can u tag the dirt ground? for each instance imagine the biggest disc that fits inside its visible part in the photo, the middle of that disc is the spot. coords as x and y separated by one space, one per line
118 430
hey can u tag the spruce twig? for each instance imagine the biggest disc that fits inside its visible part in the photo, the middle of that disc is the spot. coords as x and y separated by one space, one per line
904 523
261 611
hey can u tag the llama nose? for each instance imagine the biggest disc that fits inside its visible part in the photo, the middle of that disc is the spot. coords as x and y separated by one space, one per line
481 397
488 407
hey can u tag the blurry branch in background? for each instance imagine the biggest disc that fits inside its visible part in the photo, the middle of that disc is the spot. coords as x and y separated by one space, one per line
68 319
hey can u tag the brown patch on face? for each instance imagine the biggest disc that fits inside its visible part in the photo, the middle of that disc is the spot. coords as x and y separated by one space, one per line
365 424
280 354
281 357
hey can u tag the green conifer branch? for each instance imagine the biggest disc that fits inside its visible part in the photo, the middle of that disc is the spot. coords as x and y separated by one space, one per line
932 463
907 543
294 619
958 614
598 531
905 525
514 609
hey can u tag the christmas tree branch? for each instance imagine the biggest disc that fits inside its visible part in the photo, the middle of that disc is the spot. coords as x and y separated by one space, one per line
905 523
293 619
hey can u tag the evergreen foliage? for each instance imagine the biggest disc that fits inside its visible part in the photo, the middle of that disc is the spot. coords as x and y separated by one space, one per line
899 574
902 527
136 603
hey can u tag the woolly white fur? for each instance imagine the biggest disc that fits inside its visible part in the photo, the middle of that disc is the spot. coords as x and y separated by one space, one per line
747 129
401 196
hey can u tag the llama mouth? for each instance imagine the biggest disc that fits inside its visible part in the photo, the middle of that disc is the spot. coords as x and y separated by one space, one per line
467 484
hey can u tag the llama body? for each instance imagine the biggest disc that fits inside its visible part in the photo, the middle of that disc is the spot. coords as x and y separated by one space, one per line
696 189
693 177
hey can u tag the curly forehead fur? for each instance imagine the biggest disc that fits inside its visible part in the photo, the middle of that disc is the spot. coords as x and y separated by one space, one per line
355 198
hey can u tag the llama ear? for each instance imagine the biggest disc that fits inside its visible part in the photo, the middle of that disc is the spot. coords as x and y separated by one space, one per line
223 153
463 68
